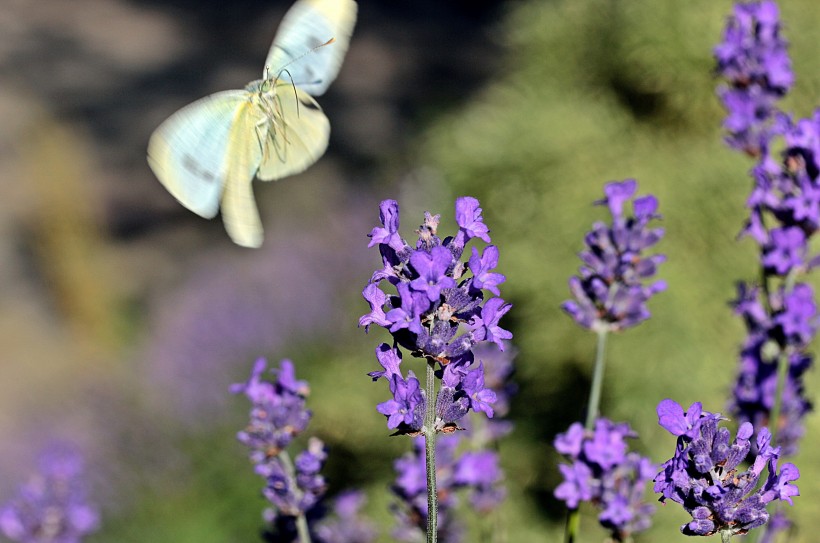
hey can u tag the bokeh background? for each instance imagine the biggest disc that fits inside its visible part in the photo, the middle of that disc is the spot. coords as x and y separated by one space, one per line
124 317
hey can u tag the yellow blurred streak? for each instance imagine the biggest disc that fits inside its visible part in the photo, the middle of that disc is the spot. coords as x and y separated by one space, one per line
67 244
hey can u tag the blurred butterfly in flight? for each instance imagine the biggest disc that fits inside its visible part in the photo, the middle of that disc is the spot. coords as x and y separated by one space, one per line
207 153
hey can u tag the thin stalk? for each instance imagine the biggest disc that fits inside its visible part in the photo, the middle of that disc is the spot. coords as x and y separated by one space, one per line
593 407
430 454
301 522
573 523
774 415
725 536
782 372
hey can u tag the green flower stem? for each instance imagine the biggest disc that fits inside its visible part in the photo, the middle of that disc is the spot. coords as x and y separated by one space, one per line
725 536
593 407
573 523
301 522
430 454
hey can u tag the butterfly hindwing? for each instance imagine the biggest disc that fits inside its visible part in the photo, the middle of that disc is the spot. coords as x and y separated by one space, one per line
298 137
239 211
189 149
306 26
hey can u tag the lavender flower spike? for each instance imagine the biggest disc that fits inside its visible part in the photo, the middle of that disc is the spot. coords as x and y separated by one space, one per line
437 307
610 292
278 413
605 474
703 477
52 506
755 64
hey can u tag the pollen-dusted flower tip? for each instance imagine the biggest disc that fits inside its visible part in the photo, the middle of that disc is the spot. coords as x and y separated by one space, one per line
604 473
277 415
438 302
52 506
754 61
610 292
703 474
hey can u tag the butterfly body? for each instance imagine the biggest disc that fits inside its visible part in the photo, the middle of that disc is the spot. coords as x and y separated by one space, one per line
208 153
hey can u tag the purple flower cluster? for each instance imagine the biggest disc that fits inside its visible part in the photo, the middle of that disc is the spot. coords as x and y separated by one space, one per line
467 461
476 471
605 474
781 320
610 293
438 313
753 59
278 411
277 415
346 525
703 474
52 506
787 192
781 328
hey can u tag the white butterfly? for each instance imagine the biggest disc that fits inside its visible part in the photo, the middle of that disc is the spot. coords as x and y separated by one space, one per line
207 153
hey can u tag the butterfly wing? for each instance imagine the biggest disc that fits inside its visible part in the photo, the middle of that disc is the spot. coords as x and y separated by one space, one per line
187 152
244 153
298 135
306 26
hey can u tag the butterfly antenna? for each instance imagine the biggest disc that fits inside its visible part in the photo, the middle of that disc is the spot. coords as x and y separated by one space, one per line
292 84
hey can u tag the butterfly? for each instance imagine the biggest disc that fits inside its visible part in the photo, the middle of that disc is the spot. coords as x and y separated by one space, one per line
208 153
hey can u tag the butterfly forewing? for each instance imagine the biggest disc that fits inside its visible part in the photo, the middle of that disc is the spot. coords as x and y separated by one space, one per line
306 26
188 152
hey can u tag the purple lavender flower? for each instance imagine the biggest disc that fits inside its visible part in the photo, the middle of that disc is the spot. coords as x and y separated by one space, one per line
439 313
787 189
346 525
782 328
610 293
278 412
52 506
294 490
703 477
605 474
755 63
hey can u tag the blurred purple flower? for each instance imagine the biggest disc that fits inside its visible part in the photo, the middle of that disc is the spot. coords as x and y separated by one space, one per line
52 506
278 412
784 326
703 477
610 292
475 471
227 310
754 61
346 525
605 474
